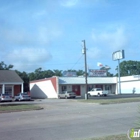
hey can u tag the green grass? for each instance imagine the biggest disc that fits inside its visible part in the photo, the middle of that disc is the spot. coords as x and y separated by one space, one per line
114 137
111 101
18 107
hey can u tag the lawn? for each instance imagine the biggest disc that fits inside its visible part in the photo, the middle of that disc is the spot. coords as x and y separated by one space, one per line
18 107
114 137
111 101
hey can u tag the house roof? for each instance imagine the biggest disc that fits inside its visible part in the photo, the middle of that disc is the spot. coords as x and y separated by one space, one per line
90 80
9 76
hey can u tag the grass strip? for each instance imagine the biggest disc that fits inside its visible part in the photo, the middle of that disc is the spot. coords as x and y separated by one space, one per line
111 101
114 137
22 107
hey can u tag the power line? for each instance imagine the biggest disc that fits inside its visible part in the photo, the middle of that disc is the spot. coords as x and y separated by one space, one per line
76 62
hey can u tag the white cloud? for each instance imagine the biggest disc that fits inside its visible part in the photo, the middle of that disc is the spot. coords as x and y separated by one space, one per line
28 59
27 49
18 37
69 3
46 34
113 40
94 52
41 35
106 41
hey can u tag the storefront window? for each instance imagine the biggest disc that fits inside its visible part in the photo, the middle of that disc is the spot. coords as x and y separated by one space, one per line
90 87
107 87
64 88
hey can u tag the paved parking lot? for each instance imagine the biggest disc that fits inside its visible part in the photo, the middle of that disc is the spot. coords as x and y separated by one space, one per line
68 120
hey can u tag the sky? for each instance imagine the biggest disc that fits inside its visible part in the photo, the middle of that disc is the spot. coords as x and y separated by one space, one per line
48 34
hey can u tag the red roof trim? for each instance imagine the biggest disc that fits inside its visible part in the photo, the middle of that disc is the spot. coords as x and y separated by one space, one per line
40 80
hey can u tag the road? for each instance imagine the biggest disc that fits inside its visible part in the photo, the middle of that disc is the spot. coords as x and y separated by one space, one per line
68 120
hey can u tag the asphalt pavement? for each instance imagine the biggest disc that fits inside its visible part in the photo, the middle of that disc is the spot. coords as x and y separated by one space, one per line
68 120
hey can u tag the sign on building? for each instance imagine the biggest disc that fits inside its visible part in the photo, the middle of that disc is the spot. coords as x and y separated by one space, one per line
97 73
69 74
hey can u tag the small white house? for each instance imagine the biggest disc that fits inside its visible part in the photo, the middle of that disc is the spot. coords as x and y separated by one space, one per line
10 82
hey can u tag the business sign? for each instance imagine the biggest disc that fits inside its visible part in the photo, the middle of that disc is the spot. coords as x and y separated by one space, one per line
97 73
118 55
69 74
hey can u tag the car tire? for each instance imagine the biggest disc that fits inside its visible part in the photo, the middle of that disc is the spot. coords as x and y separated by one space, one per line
89 95
66 97
19 100
98 95
59 97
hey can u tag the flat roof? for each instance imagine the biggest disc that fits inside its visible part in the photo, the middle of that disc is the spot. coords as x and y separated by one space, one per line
90 80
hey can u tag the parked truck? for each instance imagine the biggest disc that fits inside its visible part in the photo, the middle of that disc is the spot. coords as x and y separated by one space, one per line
97 92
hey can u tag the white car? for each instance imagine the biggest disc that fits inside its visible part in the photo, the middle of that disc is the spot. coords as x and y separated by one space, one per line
5 97
67 94
97 92
22 97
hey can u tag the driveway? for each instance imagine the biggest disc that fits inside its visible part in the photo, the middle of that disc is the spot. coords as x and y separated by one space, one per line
68 120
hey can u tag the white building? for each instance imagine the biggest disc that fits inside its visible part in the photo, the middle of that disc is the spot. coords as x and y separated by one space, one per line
51 87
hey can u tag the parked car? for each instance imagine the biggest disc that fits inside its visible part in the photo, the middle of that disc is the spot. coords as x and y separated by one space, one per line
97 92
67 94
5 97
22 97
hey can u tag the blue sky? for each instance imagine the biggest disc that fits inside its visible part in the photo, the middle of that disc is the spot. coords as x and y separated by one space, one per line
48 33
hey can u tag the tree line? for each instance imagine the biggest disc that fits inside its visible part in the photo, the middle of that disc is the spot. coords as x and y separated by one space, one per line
127 68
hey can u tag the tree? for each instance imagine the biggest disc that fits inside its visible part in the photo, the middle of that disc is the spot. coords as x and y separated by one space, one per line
80 73
32 76
39 74
3 66
49 73
24 76
130 67
107 68
57 72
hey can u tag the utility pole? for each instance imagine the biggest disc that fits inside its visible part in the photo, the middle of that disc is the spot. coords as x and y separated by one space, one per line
84 52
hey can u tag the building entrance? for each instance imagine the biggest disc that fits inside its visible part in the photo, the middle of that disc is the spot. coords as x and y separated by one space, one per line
76 89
